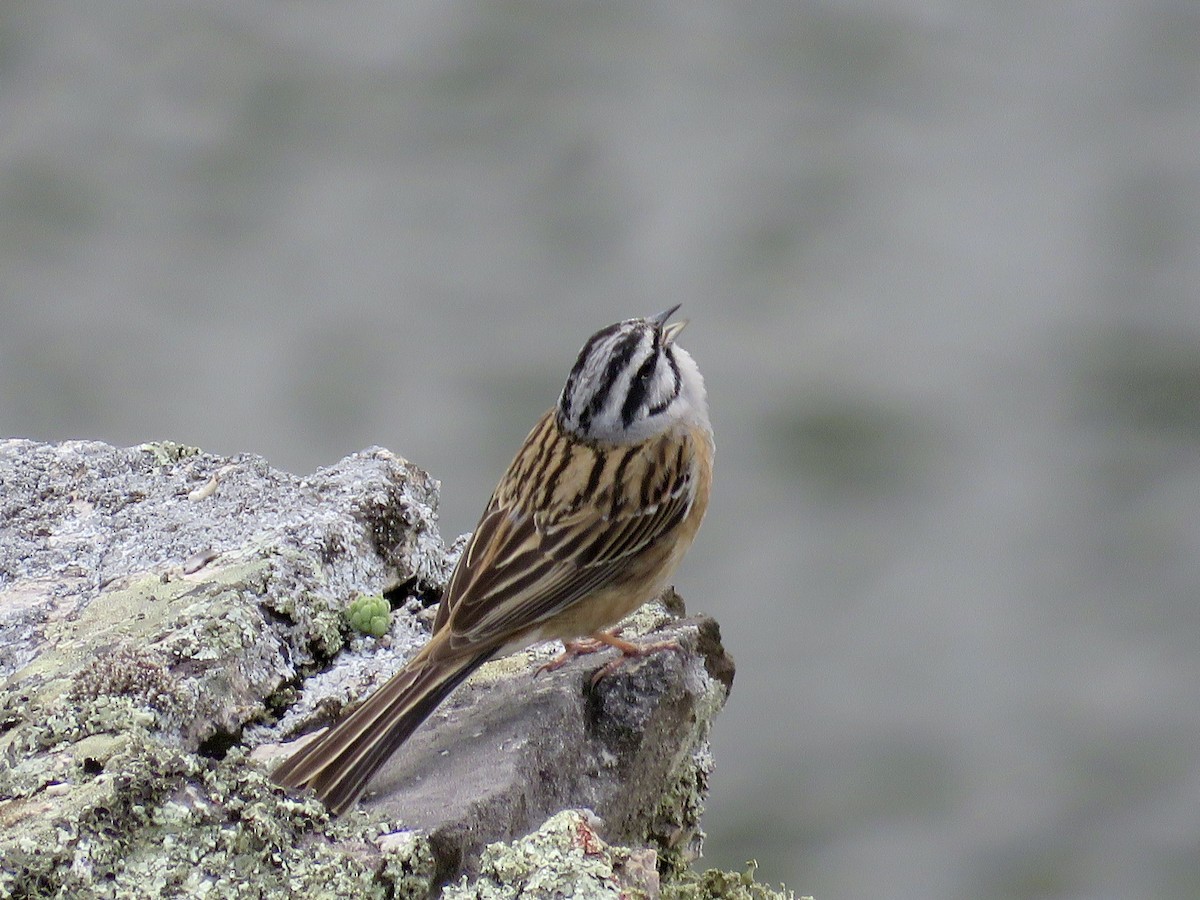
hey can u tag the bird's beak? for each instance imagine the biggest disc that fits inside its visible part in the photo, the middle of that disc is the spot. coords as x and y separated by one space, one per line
669 332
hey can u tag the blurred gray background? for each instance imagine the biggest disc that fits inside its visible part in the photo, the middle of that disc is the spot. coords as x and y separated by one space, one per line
941 262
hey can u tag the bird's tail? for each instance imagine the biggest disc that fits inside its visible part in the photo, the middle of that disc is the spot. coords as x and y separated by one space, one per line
338 764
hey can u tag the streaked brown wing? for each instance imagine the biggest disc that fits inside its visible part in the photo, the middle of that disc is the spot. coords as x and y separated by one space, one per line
520 587
520 569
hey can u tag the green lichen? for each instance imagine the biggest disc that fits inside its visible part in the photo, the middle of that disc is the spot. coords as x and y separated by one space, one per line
97 802
567 858
675 830
408 864
173 618
563 858
103 793
320 620
196 653
160 822
370 615
717 885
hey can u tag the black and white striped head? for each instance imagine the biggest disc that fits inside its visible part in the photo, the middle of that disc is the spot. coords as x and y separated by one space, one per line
631 382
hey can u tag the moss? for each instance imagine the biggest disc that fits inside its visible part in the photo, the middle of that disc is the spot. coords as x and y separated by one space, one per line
140 674
82 818
194 653
370 615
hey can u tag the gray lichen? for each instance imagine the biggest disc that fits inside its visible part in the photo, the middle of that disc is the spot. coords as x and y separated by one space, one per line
564 858
715 884
159 822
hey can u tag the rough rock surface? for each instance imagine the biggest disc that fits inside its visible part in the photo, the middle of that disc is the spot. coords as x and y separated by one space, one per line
512 747
158 609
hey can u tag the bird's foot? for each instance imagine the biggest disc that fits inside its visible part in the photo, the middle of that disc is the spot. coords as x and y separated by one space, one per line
601 640
629 651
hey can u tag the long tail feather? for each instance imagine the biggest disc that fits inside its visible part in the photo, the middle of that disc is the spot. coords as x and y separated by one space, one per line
339 764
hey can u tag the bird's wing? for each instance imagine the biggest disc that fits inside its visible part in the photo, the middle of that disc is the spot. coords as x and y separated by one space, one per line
522 567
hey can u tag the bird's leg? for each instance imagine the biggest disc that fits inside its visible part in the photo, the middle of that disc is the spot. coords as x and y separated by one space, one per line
601 640
628 651
582 647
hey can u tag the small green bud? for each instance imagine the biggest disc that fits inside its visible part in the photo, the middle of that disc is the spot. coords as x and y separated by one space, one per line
370 615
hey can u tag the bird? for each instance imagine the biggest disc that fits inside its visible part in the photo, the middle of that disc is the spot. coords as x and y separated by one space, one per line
588 522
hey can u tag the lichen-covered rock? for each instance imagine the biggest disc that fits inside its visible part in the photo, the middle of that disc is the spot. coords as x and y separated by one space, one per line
511 747
565 857
153 602
164 610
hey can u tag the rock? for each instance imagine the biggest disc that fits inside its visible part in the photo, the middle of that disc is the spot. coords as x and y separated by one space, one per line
511 748
221 576
159 607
